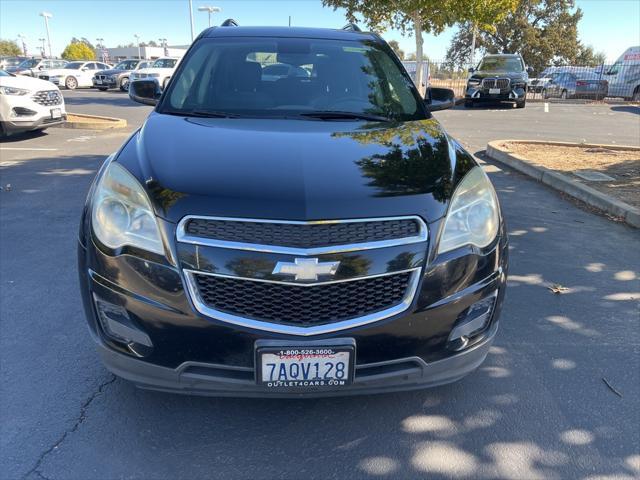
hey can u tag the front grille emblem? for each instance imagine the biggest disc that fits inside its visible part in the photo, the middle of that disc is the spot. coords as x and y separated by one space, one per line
306 268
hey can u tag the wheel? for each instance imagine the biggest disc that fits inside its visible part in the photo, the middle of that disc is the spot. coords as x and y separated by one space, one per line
563 95
124 84
636 95
521 104
544 93
71 83
468 104
102 89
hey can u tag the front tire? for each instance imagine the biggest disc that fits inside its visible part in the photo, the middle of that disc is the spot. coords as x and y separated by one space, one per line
521 104
124 84
468 104
636 95
71 83
102 89
563 95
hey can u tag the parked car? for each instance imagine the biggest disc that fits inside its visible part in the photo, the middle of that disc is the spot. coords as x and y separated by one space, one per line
118 77
75 74
502 77
624 76
32 67
28 104
576 84
538 85
161 69
10 63
316 235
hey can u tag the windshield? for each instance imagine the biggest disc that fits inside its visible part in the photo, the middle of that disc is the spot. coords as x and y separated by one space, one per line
32 62
74 65
4 74
501 64
164 63
12 62
271 77
126 65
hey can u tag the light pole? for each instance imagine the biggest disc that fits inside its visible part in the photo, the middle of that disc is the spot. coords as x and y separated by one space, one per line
100 47
47 16
163 44
191 18
42 49
24 44
137 37
210 10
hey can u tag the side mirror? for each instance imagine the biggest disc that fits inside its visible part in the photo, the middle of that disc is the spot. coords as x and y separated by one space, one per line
40 67
440 99
146 92
529 69
471 70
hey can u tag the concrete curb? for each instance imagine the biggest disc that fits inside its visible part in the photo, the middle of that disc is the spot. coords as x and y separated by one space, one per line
563 183
93 122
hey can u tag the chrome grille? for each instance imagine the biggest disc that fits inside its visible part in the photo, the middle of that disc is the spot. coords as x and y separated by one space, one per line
301 238
47 97
102 77
501 83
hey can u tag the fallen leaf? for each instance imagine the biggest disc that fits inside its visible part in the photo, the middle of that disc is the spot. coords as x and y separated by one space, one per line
558 289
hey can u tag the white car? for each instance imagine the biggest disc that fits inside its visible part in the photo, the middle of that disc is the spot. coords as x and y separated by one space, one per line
74 74
28 104
161 70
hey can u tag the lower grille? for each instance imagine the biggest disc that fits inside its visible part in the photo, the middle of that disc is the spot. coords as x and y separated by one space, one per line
47 97
303 306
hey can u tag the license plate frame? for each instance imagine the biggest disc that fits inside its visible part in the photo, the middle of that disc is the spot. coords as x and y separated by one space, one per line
494 91
56 113
302 352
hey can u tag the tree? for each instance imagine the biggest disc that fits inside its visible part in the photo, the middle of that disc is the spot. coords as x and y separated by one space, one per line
544 32
78 51
395 46
418 16
9 48
587 57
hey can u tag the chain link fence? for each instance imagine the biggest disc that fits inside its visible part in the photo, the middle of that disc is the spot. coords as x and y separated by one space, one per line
619 81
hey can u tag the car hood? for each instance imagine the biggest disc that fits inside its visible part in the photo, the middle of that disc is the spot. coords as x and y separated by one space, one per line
30 83
488 74
293 169
112 71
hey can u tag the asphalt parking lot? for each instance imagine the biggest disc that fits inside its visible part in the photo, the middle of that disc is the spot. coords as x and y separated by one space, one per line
538 408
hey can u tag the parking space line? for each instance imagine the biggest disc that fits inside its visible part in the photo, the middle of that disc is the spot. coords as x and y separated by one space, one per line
30 149
546 107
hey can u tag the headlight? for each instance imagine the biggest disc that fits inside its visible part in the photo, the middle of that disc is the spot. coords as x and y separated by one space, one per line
474 81
13 91
473 217
122 214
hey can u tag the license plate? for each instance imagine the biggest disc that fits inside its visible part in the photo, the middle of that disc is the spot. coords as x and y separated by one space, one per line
98 82
305 367
56 113
494 91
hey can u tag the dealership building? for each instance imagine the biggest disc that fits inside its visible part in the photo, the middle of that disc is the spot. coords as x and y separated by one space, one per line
148 53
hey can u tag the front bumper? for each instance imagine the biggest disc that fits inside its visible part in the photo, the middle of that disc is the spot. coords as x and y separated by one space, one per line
105 83
220 380
16 126
479 94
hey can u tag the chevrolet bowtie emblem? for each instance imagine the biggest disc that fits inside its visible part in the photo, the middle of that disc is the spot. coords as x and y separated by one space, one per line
306 268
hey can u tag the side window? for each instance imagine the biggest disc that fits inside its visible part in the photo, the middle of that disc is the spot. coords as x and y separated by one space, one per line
91 66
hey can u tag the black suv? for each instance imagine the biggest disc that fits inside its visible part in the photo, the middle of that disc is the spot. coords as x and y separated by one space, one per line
313 234
502 77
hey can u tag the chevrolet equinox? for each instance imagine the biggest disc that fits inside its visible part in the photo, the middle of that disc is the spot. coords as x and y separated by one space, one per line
311 231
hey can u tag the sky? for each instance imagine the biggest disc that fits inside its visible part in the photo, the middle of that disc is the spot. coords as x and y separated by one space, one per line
609 26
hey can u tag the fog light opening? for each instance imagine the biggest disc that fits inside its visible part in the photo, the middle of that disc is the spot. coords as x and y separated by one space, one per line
473 321
117 325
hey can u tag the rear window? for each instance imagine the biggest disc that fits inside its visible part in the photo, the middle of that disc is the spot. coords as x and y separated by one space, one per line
279 77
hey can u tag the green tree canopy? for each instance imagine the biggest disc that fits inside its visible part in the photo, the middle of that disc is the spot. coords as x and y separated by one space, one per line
544 32
78 51
417 16
9 48
396 48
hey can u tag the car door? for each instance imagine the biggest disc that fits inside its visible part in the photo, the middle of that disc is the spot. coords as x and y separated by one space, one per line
86 74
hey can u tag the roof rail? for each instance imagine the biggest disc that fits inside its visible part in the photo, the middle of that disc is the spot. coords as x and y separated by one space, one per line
351 27
229 22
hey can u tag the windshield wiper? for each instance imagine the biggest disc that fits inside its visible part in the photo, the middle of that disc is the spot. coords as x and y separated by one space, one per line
340 115
209 114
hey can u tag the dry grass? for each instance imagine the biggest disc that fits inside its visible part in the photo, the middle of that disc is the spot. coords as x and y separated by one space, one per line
622 165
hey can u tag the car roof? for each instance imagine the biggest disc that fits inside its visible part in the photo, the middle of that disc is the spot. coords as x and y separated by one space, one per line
291 32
